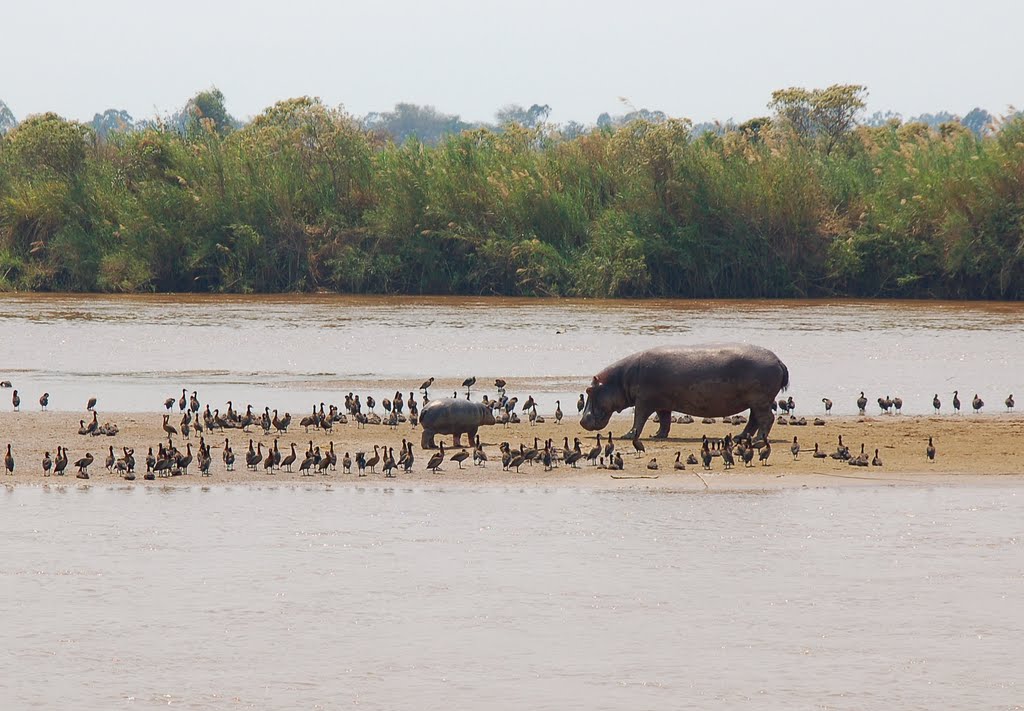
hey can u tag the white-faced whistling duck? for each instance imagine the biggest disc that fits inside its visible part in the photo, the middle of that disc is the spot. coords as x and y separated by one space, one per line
9 461
876 461
862 403
595 451
795 449
374 460
436 459
60 462
930 450
766 451
459 457
705 454
653 464
678 463
84 463
638 446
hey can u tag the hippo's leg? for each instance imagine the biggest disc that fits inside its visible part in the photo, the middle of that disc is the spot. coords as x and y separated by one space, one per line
751 427
456 439
471 433
664 423
640 415
764 421
427 439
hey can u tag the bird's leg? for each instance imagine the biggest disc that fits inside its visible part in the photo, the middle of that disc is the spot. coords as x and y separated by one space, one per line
664 423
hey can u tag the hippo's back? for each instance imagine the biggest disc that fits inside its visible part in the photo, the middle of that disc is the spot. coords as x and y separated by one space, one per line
448 412
717 360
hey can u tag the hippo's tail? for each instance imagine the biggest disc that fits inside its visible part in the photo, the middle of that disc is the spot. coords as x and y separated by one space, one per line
785 376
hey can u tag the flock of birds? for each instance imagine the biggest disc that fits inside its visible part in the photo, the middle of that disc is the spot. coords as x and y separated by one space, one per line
169 459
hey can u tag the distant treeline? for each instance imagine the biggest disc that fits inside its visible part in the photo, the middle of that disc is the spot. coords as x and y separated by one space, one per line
808 201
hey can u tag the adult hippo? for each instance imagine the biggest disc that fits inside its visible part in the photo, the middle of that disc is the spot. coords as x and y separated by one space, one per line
454 417
712 380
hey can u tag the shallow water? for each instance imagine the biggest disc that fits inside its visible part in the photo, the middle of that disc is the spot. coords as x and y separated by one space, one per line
290 351
285 598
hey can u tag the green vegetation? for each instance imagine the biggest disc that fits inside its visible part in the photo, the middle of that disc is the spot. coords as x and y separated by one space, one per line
807 202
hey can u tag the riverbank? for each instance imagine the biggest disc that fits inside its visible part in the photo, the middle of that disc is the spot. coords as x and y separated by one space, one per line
970 449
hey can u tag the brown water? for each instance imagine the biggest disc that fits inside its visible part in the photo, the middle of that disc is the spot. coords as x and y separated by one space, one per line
306 598
290 351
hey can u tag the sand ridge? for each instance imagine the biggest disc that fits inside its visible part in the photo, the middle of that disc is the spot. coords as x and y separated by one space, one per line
970 448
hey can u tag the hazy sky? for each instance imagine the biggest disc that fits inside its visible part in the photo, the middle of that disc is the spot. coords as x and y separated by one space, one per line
701 60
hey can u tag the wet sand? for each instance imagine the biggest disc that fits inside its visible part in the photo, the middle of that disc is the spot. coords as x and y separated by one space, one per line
970 449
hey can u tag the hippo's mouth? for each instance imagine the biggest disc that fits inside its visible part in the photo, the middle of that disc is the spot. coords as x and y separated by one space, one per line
593 420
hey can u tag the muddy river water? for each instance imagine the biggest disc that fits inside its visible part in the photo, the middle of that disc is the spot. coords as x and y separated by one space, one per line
289 352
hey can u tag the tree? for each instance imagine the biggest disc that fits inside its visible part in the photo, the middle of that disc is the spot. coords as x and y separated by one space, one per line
48 142
979 121
756 128
823 115
934 120
204 111
7 120
112 121
882 118
572 129
516 114
424 123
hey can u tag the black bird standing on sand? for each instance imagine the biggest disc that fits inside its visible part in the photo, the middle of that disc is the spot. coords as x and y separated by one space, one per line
930 450
977 403
9 461
936 403
44 400
91 404
83 465
436 460
426 385
581 403
16 401
1009 403
828 405
956 401
862 402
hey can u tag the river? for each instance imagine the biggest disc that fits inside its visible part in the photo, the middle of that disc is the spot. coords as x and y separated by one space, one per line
427 598
291 351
